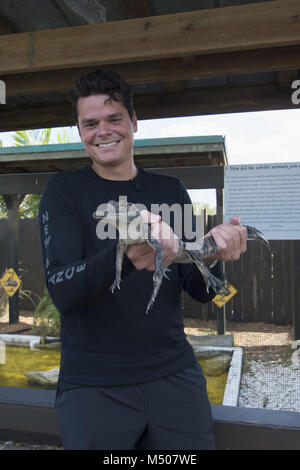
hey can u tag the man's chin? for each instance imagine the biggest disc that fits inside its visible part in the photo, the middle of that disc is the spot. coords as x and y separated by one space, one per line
105 162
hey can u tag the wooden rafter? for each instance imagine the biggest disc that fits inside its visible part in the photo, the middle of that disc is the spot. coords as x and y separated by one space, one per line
142 9
136 8
5 28
191 102
262 60
243 27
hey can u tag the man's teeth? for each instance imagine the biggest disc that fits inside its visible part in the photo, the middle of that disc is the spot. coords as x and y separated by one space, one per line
110 144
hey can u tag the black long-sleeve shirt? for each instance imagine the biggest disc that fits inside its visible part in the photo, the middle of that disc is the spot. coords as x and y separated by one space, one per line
107 338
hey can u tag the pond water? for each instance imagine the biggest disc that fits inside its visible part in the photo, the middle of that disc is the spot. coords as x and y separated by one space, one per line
21 359
215 386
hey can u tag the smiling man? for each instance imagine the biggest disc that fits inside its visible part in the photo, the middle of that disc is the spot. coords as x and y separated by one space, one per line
127 380
107 130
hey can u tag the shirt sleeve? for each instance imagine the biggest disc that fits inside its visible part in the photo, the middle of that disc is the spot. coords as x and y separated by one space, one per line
73 280
191 278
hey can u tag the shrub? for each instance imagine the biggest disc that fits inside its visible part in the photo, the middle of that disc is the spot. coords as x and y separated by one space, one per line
46 317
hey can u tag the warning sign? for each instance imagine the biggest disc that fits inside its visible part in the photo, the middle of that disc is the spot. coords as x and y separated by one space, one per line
221 300
10 282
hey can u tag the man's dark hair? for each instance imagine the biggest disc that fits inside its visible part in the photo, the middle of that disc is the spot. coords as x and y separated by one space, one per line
102 82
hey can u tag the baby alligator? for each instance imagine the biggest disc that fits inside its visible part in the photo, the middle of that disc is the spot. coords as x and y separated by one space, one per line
121 214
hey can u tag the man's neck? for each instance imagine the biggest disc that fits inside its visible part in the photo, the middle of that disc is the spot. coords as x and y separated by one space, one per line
116 173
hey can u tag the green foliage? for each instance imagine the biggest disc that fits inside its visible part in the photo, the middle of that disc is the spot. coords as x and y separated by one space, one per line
46 317
199 208
29 208
32 137
3 299
3 210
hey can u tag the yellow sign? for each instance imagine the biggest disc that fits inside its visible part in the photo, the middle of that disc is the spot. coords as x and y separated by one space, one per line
10 282
221 300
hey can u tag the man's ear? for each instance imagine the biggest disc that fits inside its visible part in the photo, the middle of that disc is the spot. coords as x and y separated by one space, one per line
78 129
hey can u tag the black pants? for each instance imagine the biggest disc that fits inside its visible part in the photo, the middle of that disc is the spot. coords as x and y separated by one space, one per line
168 413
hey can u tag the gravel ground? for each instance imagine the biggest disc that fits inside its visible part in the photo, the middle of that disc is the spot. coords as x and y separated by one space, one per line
269 379
11 445
272 385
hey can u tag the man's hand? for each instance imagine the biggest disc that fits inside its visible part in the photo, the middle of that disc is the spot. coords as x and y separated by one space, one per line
231 240
230 237
142 255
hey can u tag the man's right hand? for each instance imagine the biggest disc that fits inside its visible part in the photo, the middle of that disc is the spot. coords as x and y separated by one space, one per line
142 255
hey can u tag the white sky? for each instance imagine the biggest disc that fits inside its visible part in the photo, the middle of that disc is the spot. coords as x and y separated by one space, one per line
257 137
260 137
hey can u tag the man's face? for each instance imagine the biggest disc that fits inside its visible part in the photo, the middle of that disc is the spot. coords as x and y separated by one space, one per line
106 130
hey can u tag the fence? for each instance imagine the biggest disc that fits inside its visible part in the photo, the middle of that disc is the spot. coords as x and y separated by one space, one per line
264 294
30 256
268 287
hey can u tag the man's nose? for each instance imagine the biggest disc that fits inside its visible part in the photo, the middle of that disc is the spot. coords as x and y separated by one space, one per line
103 128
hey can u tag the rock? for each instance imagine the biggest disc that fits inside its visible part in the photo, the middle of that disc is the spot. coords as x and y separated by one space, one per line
296 357
216 365
53 345
43 377
296 344
211 340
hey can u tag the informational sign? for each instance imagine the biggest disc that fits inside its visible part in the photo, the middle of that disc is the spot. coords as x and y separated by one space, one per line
10 282
266 196
220 300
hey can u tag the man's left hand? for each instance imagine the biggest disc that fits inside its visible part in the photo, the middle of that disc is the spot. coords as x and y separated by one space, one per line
231 240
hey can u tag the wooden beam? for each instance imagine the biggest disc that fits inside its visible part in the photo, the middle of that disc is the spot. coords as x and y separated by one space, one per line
136 8
191 102
286 77
35 116
4 28
220 100
141 9
13 202
203 177
213 65
243 27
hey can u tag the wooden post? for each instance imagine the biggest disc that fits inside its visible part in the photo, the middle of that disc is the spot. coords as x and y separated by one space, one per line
221 312
295 288
12 203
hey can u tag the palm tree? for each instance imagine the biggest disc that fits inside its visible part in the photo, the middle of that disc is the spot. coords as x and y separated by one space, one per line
32 137
29 208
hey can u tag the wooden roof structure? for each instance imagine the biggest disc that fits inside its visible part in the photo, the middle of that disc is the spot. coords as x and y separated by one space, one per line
182 58
148 153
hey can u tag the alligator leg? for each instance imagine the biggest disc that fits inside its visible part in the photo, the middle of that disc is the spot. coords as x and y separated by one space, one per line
212 281
119 261
160 270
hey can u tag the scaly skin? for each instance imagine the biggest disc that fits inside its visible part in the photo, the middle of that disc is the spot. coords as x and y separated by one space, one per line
206 247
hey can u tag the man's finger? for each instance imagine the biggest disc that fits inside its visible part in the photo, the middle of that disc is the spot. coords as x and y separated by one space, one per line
149 217
235 221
